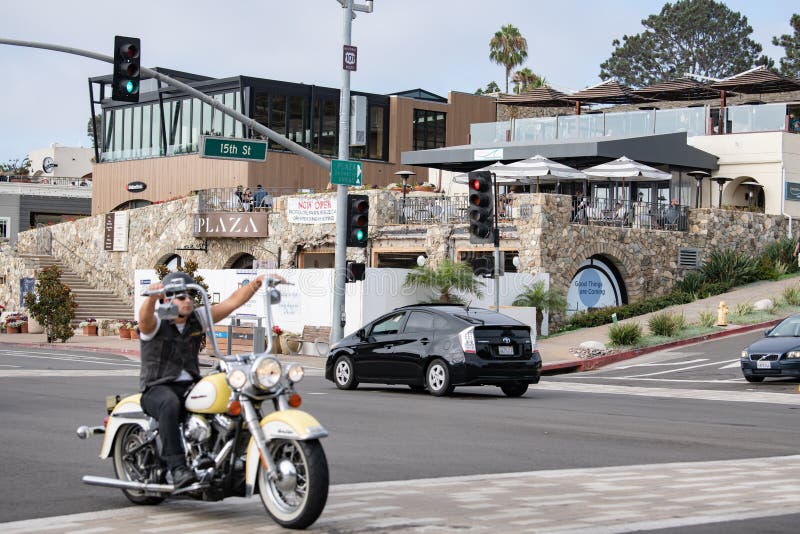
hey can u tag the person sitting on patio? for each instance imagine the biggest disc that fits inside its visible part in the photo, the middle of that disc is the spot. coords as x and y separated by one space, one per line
673 214
258 196
580 208
619 212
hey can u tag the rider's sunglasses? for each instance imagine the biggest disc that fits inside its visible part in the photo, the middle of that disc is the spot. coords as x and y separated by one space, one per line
179 296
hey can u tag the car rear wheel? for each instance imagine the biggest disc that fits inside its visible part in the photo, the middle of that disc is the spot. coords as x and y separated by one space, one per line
344 374
438 379
516 389
754 378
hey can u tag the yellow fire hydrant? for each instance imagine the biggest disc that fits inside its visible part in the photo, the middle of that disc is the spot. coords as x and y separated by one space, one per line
722 314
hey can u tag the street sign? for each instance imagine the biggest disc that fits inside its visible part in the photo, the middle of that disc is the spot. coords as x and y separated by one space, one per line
349 57
229 148
345 172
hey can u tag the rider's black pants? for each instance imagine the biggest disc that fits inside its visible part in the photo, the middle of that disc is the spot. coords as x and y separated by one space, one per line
164 402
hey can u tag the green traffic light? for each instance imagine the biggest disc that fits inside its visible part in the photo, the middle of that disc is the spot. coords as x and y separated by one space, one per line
360 235
131 87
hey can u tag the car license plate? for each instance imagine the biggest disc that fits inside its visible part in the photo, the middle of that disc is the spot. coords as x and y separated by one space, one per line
508 350
763 364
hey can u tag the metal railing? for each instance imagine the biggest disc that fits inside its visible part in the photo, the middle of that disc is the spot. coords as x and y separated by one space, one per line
47 180
658 215
443 210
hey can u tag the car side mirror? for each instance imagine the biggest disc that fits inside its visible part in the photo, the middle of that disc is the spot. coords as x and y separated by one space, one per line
767 331
362 334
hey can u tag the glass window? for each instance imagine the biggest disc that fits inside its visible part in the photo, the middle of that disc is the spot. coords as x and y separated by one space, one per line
108 145
208 111
227 100
157 146
186 125
277 119
147 119
261 112
237 105
329 129
376 133
430 129
419 322
389 325
196 124
5 224
127 113
216 123
296 122
137 132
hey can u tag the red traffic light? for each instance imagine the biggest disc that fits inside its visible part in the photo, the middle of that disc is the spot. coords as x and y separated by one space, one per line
129 51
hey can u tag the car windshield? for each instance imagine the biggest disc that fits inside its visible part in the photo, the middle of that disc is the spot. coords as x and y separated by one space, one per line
789 327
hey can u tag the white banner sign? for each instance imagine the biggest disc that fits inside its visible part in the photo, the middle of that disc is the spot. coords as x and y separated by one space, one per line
312 210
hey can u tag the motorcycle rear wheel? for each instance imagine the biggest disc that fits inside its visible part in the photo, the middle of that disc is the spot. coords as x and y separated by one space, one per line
138 468
296 499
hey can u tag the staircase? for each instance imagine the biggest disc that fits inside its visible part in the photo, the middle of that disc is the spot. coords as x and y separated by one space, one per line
92 302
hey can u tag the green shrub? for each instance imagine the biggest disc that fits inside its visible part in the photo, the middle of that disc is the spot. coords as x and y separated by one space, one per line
625 334
730 266
691 282
666 324
791 295
781 251
586 319
744 308
707 318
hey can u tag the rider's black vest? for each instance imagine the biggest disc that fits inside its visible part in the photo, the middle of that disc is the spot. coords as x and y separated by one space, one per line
170 352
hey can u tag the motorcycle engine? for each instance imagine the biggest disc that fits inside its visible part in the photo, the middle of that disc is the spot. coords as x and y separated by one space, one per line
197 429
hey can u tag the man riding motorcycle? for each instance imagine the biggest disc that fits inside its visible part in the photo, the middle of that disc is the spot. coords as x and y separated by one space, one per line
170 365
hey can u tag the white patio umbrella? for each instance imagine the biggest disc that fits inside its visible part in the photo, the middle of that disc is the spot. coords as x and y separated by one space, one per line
500 172
539 166
626 168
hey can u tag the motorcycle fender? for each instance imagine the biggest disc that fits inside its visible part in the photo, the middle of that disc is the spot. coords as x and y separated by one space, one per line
127 411
286 424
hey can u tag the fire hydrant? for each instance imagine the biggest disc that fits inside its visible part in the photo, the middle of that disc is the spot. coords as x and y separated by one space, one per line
722 314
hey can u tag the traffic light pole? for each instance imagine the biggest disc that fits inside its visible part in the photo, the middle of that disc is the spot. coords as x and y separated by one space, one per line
496 247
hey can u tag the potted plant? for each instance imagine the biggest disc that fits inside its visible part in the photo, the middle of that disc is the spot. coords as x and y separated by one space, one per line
133 326
421 186
23 329
14 326
124 330
89 326
106 327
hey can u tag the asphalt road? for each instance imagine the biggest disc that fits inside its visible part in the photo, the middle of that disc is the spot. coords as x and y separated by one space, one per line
586 420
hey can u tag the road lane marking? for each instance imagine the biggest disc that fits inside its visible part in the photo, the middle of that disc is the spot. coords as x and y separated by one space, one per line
685 368
737 363
656 364
67 373
87 359
714 395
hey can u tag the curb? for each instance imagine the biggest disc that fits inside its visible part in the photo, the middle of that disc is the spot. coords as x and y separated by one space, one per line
600 361
65 346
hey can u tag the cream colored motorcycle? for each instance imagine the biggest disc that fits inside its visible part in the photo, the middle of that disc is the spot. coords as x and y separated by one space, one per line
234 443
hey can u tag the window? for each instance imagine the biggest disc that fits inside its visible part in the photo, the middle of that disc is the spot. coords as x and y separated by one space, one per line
390 325
277 119
261 112
429 129
296 119
5 227
376 134
420 322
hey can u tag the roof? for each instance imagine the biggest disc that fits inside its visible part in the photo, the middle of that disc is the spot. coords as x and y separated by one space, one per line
420 94
681 89
758 80
608 92
662 149
538 97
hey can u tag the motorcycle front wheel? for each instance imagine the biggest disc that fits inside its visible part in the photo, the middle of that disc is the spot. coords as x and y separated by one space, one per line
296 497
141 465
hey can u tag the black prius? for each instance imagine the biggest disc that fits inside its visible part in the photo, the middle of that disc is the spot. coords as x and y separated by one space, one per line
438 347
777 354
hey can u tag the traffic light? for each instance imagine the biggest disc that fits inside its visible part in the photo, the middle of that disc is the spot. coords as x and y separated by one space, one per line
355 271
357 220
481 207
127 63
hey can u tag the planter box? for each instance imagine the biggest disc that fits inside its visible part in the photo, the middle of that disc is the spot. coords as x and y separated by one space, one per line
90 330
12 330
134 333
124 333
24 328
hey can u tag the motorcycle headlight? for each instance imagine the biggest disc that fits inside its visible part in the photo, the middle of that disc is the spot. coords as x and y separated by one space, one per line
793 354
266 372
237 379
295 372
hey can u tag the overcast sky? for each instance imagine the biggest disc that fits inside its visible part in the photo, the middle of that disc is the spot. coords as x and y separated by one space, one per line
439 45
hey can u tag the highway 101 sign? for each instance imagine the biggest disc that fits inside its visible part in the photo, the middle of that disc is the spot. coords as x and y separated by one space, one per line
229 148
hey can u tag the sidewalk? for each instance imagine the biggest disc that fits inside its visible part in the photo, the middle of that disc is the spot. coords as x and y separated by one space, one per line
555 351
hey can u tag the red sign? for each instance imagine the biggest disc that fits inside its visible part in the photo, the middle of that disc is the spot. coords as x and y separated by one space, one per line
349 57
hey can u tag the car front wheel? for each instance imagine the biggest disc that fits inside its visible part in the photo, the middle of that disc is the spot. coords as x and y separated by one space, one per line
344 374
517 389
438 379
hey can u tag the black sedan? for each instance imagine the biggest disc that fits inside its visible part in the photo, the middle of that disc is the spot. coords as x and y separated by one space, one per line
438 347
778 354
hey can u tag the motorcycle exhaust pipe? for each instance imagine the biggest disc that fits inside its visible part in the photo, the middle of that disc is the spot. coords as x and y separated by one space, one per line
127 484
85 432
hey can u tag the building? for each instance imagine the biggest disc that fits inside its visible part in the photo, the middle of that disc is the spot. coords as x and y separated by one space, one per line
62 162
156 141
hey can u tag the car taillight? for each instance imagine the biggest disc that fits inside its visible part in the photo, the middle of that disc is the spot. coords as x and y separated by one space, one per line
533 339
467 339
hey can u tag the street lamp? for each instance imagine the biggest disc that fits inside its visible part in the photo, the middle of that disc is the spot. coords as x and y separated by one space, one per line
404 176
720 182
698 175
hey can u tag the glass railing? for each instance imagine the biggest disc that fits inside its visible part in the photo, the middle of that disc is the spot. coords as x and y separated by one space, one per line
694 121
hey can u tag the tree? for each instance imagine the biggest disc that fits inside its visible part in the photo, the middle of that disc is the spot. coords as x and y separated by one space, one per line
536 296
790 65
695 36
98 123
525 80
491 87
52 304
508 48
447 277
15 167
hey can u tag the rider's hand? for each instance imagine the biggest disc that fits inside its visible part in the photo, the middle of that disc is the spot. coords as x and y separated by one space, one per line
155 286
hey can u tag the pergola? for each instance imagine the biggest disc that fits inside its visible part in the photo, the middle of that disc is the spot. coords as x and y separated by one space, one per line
539 97
608 92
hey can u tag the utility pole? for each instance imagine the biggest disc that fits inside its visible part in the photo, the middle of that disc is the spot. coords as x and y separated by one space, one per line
340 257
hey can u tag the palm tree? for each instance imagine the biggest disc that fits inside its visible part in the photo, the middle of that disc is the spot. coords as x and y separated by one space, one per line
448 276
536 296
525 80
491 87
508 48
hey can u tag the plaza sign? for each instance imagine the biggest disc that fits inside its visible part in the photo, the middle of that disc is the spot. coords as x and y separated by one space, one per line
222 224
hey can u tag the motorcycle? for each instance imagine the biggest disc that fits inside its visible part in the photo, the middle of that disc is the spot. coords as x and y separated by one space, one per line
233 446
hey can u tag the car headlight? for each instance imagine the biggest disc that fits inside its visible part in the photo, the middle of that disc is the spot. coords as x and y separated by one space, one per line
793 354
745 356
237 379
266 372
295 372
